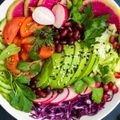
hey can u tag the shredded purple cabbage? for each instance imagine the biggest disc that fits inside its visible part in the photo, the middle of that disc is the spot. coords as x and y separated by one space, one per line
70 110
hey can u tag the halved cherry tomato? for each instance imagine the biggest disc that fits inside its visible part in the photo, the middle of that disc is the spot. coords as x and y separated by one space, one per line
11 63
117 74
11 29
28 27
46 51
17 41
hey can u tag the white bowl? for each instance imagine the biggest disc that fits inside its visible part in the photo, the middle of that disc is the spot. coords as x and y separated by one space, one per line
25 116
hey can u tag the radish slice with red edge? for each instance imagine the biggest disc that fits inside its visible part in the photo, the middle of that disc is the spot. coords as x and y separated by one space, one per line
43 16
52 98
61 97
42 100
61 15
72 95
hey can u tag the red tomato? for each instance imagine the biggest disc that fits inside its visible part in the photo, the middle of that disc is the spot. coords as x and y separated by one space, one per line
28 27
11 63
11 29
46 51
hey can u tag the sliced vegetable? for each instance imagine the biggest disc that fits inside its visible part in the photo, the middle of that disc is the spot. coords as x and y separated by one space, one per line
61 15
11 63
2 25
15 10
43 15
43 100
46 51
28 27
61 97
9 51
11 29
28 4
17 41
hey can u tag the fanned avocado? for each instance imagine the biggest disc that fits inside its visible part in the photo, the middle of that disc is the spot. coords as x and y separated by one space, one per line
74 64
45 72
69 51
89 67
57 59
84 58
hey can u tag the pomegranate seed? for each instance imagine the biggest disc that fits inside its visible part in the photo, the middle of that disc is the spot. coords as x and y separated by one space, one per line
97 84
117 74
112 39
106 88
116 45
110 84
114 89
105 97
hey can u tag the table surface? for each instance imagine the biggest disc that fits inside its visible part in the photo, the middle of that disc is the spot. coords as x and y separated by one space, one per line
114 115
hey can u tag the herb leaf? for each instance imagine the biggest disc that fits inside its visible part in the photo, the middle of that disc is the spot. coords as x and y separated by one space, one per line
97 94
79 86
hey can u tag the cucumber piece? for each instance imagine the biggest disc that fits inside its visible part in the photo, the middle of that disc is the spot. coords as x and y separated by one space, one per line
2 25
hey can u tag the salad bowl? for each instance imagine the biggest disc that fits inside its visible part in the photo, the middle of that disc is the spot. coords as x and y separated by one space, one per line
109 106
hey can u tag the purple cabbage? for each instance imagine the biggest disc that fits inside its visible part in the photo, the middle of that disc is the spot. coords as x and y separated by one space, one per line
70 110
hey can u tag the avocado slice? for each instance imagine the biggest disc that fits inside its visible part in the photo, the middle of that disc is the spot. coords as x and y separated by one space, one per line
68 57
44 74
83 59
89 67
74 65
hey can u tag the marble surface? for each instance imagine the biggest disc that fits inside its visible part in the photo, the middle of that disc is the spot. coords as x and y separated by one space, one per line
114 115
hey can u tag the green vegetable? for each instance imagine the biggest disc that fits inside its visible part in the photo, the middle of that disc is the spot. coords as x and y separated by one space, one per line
16 92
23 66
74 8
97 94
88 80
32 67
79 86
94 28
10 50
104 69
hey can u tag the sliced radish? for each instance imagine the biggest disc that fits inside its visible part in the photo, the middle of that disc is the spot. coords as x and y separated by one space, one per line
42 100
72 95
52 98
61 97
61 15
44 16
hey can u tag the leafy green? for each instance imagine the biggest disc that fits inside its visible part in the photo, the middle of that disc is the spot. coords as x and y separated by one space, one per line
104 69
74 8
16 91
35 68
88 80
94 28
10 50
23 66
79 86
32 67
97 78
97 94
